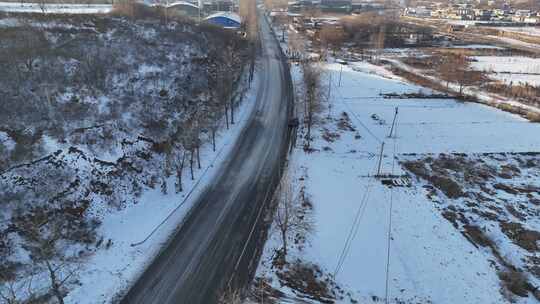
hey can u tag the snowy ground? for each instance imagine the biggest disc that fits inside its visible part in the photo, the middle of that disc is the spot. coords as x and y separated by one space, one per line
430 260
529 30
516 42
481 96
18 7
477 47
510 68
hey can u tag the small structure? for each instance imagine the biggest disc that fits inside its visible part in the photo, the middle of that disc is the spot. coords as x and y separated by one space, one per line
336 6
214 6
183 8
452 28
301 5
225 19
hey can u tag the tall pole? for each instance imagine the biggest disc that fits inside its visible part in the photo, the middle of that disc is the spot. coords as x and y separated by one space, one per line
340 71
329 94
166 13
380 160
393 123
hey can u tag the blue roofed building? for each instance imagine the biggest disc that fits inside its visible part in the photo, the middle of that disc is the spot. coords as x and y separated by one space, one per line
224 19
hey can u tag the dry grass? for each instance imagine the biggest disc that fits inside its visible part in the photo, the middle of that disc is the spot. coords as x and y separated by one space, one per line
515 281
444 183
533 117
524 238
309 280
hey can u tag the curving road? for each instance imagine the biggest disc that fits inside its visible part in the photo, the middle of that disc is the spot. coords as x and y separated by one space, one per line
199 261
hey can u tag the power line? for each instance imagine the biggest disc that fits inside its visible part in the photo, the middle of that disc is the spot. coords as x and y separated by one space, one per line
354 228
357 118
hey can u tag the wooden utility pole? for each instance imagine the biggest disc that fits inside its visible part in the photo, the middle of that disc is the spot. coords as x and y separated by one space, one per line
340 71
380 160
393 123
329 94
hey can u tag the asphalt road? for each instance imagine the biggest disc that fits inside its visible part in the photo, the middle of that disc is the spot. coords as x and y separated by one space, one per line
199 261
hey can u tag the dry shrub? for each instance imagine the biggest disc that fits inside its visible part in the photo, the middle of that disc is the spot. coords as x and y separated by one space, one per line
309 280
230 297
448 186
477 236
515 281
524 238
417 167
533 117
136 10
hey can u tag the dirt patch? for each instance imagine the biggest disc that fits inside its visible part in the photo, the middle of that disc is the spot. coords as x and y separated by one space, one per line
444 183
309 281
489 194
515 281
344 123
477 236
330 136
524 238
449 187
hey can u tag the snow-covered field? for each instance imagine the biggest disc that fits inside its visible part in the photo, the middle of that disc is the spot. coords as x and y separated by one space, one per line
515 69
515 42
529 30
430 261
20 7
510 64
477 47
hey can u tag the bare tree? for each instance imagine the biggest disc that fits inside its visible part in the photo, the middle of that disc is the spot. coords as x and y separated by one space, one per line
230 62
223 90
9 292
180 162
30 44
230 297
44 237
332 37
456 68
296 45
313 95
252 29
290 217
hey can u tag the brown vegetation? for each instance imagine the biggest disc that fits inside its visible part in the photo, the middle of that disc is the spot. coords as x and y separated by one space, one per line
372 30
475 176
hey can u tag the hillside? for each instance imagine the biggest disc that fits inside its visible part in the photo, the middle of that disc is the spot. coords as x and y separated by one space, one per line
96 111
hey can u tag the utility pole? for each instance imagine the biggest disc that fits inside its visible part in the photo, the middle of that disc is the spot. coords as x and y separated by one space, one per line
340 71
393 123
380 160
329 94
167 13
200 3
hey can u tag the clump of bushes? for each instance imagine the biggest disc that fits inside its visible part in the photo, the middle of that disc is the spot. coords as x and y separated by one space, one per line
515 281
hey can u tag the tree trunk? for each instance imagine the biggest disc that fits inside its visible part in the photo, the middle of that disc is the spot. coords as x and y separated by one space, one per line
227 117
191 164
55 286
198 157
179 173
284 239
231 100
214 139
164 185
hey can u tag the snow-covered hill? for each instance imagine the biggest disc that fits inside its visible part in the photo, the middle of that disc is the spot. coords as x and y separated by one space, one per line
107 125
